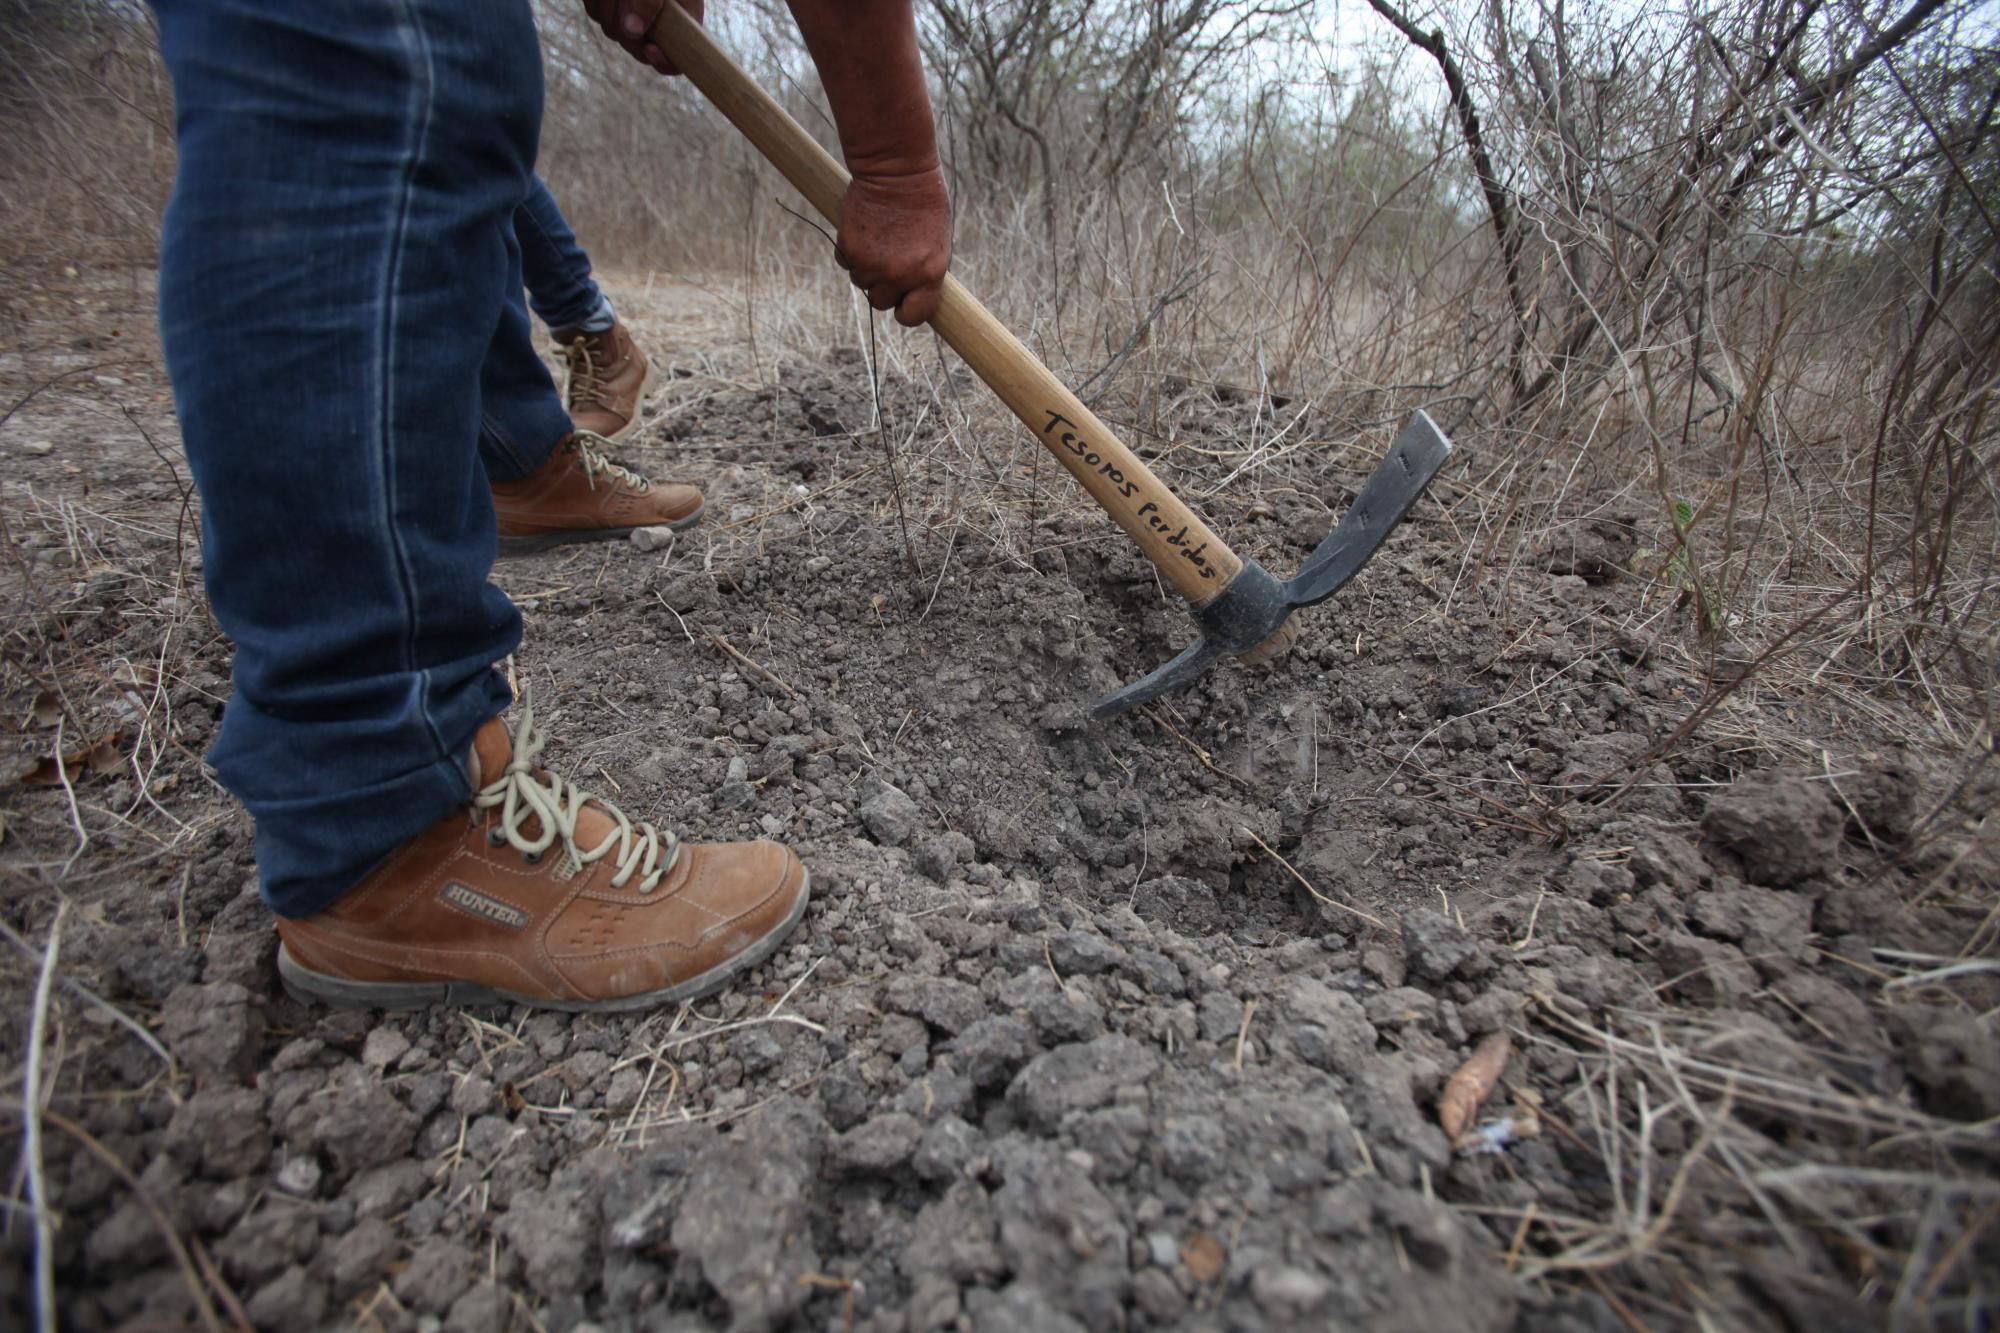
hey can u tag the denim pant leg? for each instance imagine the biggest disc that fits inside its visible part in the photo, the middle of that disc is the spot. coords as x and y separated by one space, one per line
555 267
334 269
521 417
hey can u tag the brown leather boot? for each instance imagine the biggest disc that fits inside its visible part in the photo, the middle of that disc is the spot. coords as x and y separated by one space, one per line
539 894
580 495
608 375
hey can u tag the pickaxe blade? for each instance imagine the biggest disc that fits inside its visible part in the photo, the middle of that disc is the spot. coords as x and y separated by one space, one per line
1256 605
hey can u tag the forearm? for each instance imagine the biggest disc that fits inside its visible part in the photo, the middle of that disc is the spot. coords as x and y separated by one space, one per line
868 62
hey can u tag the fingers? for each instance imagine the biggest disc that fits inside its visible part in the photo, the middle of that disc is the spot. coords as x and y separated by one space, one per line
627 22
919 305
655 56
635 17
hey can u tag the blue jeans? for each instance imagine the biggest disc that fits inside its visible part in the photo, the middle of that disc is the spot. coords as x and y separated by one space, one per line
340 304
555 267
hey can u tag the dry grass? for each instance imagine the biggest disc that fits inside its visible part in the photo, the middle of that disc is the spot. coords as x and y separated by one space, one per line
1755 327
1732 1151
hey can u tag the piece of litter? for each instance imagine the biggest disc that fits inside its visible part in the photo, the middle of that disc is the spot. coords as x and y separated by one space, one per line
1494 1137
1472 1084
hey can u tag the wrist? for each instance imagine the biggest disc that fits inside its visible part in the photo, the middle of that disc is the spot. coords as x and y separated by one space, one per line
889 165
899 177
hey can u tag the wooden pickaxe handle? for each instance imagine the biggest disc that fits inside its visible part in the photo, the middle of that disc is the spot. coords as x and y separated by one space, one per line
1186 551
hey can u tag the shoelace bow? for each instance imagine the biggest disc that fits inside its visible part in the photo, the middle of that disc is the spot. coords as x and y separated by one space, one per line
596 464
522 794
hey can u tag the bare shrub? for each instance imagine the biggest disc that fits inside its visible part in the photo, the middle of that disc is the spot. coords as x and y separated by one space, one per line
87 159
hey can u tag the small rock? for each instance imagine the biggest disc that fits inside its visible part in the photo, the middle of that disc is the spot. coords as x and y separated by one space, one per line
1156 1293
954 1236
299 1177
1018 1308
949 1005
259 1247
474 1096
1333 1032
1080 953
1707 971
386 1190
657 538
362 1256
247 957
890 816
1666 859
755 1255
1883 797
1435 946
939 856
290 1300
1782 830
990 1050
436 1276
946 1149
383 1048
154 973
1287 1293
555 1233
933 1303
363 1125
879 1145
214 1030
1953 1058
1405 1006
1192 1148
36 448
298 1053
221 1132
484 1309
757 1049
1079 1077
1061 1235
844 1096
1767 923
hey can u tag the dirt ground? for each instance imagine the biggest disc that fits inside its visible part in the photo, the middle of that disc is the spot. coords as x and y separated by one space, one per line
1141 1024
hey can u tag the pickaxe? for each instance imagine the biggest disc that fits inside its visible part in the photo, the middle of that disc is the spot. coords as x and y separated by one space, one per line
1241 609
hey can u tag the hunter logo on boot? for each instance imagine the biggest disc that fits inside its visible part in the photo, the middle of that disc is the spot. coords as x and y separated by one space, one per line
485 908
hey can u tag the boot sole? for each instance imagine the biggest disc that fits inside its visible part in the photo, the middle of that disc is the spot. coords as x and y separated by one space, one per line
310 987
542 541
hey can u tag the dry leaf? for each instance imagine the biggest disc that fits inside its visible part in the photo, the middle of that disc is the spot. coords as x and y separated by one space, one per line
46 710
93 761
134 676
1470 1086
1205 1257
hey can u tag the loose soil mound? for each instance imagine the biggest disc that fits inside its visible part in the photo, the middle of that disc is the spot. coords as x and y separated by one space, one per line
1139 1024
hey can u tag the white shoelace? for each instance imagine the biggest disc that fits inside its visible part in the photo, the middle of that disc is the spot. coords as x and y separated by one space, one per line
522 794
596 464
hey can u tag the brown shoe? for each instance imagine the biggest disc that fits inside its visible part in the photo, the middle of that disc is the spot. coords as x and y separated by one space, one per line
539 894
580 495
608 375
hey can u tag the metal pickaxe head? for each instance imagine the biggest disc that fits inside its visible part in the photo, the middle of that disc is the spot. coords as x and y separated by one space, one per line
1257 607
